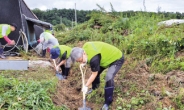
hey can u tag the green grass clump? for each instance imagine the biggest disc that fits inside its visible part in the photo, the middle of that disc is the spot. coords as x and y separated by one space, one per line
26 90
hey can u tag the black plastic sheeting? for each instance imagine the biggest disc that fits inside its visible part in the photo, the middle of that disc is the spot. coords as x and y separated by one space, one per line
38 22
16 11
10 13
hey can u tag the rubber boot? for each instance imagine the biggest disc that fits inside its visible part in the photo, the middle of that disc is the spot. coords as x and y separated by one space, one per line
43 53
63 69
67 70
108 97
1 53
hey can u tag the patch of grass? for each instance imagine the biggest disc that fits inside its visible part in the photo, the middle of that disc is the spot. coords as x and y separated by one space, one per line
28 89
179 99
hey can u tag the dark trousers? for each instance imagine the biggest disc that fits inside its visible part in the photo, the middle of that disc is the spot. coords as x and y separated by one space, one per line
1 49
44 53
65 71
112 71
109 78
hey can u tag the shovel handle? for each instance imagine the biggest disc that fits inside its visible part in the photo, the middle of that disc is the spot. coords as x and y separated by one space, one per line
54 62
83 80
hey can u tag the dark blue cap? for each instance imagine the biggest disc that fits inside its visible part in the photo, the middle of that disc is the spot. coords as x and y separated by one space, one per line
55 52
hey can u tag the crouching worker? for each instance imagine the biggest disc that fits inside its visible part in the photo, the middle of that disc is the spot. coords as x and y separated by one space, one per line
5 30
99 56
63 52
48 41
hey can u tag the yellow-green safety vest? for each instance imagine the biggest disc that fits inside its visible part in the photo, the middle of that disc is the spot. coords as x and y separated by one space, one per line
7 32
64 48
109 53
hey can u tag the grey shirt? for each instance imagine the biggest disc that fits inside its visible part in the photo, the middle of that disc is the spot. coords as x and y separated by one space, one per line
49 40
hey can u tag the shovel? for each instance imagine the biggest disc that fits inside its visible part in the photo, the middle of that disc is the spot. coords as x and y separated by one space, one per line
84 95
58 75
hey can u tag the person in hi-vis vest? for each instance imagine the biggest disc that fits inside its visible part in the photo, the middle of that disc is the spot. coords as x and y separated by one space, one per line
99 56
63 52
48 41
5 30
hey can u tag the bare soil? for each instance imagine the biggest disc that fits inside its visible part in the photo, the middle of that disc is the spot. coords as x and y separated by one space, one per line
163 87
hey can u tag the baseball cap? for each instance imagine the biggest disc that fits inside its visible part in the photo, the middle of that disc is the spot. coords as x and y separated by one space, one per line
55 52
76 53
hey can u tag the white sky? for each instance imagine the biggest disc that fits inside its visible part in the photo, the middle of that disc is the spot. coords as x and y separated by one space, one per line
118 5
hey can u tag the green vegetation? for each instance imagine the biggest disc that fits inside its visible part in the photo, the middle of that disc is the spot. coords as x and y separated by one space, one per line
141 40
27 90
151 51
138 36
66 16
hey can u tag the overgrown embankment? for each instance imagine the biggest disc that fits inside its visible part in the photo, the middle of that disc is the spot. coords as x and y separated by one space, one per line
152 53
151 78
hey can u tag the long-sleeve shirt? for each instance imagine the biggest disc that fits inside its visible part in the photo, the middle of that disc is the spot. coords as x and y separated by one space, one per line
4 32
48 40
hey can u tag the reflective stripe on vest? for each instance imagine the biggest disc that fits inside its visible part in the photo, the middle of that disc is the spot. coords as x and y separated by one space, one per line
7 32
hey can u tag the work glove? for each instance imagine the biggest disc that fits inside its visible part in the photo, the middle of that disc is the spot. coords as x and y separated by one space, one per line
12 42
85 89
38 41
57 68
82 65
